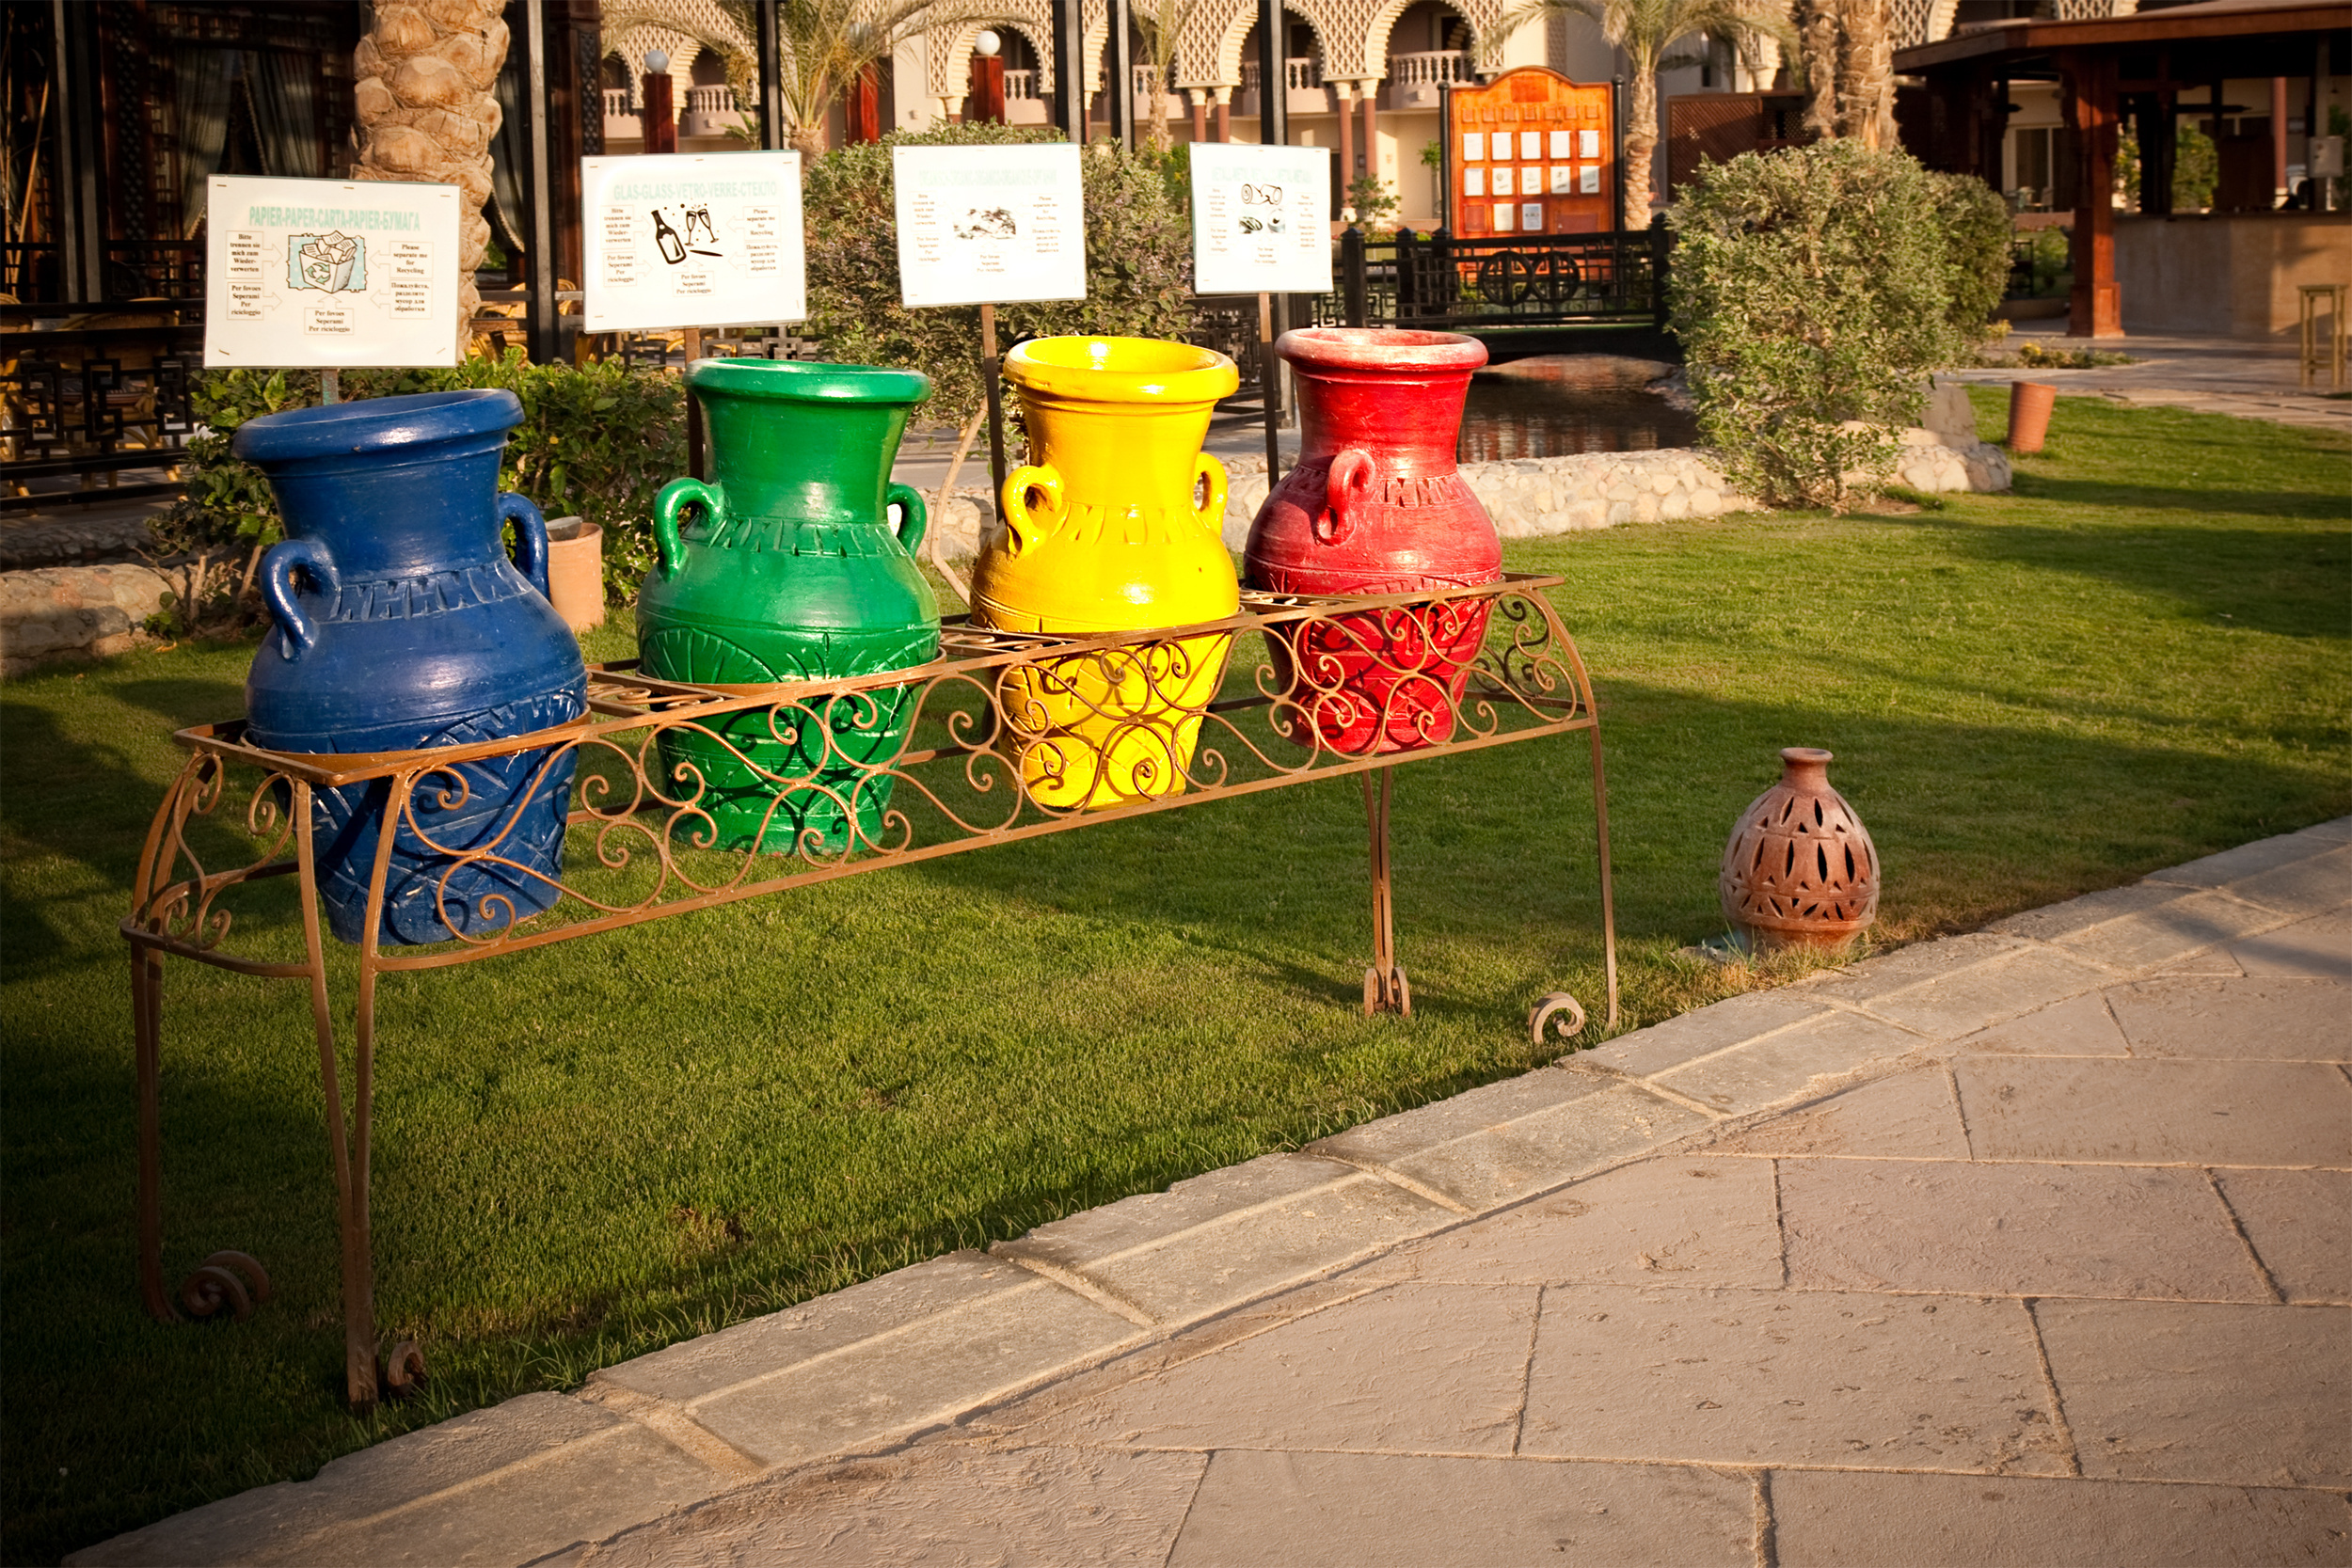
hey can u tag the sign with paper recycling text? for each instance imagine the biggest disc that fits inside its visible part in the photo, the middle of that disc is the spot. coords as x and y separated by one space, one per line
1261 219
693 240
989 225
329 274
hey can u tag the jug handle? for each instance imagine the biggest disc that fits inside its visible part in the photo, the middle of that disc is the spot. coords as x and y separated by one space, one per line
278 589
1350 477
530 537
914 522
675 498
1027 528
1211 511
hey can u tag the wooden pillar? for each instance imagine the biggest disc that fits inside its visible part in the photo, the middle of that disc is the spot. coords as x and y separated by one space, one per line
1371 137
2278 138
2088 82
1221 121
1345 167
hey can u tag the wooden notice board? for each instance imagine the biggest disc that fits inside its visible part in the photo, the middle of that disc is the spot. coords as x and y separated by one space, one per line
1533 152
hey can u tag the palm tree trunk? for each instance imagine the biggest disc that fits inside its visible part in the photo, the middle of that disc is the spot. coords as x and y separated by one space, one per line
1816 35
1641 142
1866 97
425 112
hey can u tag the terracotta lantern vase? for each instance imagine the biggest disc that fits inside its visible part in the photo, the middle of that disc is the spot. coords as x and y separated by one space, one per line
1800 870
1375 506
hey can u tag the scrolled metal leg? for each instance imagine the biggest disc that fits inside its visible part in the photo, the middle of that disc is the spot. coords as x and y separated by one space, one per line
147 980
1386 989
1563 1013
230 1281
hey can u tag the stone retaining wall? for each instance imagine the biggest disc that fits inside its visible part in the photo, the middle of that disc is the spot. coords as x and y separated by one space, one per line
1533 497
61 613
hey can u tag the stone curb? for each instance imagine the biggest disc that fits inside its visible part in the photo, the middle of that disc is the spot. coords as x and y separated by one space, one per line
870 1369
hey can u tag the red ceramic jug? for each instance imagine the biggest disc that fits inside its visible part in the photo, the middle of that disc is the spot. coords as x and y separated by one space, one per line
1375 506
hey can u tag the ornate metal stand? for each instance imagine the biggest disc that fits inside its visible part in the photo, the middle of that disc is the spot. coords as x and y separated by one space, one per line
1005 736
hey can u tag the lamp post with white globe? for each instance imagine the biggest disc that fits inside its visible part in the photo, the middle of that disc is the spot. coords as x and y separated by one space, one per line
655 117
986 104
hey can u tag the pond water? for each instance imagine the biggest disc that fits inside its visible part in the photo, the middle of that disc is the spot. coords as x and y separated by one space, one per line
1561 405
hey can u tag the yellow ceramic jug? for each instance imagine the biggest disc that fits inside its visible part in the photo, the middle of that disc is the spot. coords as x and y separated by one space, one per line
1108 530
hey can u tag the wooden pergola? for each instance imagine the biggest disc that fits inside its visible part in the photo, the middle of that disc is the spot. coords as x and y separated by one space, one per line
2107 66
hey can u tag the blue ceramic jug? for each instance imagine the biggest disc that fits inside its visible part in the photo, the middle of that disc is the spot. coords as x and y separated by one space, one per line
399 624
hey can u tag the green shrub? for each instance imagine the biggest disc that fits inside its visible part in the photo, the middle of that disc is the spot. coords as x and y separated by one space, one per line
598 441
1139 263
1812 293
1978 232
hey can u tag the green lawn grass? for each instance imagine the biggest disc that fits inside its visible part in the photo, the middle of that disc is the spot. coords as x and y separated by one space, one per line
588 1151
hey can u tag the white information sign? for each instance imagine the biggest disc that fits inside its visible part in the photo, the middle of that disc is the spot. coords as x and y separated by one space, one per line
693 240
1261 219
989 225
329 273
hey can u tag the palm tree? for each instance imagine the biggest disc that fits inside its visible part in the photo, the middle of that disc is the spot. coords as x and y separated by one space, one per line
1647 30
1160 22
1849 58
825 45
426 112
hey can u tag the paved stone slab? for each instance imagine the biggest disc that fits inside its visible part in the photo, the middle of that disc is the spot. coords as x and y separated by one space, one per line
2142 926
1485 1167
2155 1112
2188 1391
1912 1114
1906 967
534 1468
1245 1253
2308 886
816 1328
944 1503
915 1376
2299 1223
2079 1026
2318 949
1741 1377
1726 1023
2252 860
1860 1519
2014 1230
1356 1510
1679 1220
1985 993
1789 1066
1417 1369
2248 1018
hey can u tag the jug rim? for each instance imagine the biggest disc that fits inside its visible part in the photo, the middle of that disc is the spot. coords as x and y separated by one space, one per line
1381 348
378 424
808 380
1107 369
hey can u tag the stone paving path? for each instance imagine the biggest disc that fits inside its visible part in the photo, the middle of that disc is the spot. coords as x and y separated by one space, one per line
2031 1246
2248 379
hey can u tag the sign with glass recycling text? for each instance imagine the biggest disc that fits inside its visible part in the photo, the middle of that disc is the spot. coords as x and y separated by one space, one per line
693 240
989 225
329 274
1261 219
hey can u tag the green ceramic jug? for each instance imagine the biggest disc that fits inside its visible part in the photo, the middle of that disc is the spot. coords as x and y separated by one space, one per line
785 568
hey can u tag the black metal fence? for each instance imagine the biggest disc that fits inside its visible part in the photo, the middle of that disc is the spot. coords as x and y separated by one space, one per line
1610 278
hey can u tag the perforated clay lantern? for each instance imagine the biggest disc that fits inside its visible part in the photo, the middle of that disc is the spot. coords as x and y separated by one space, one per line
1800 870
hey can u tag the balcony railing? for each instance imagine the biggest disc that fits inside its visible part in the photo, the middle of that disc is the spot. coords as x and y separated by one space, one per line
1021 83
1429 70
1301 73
616 103
710 100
